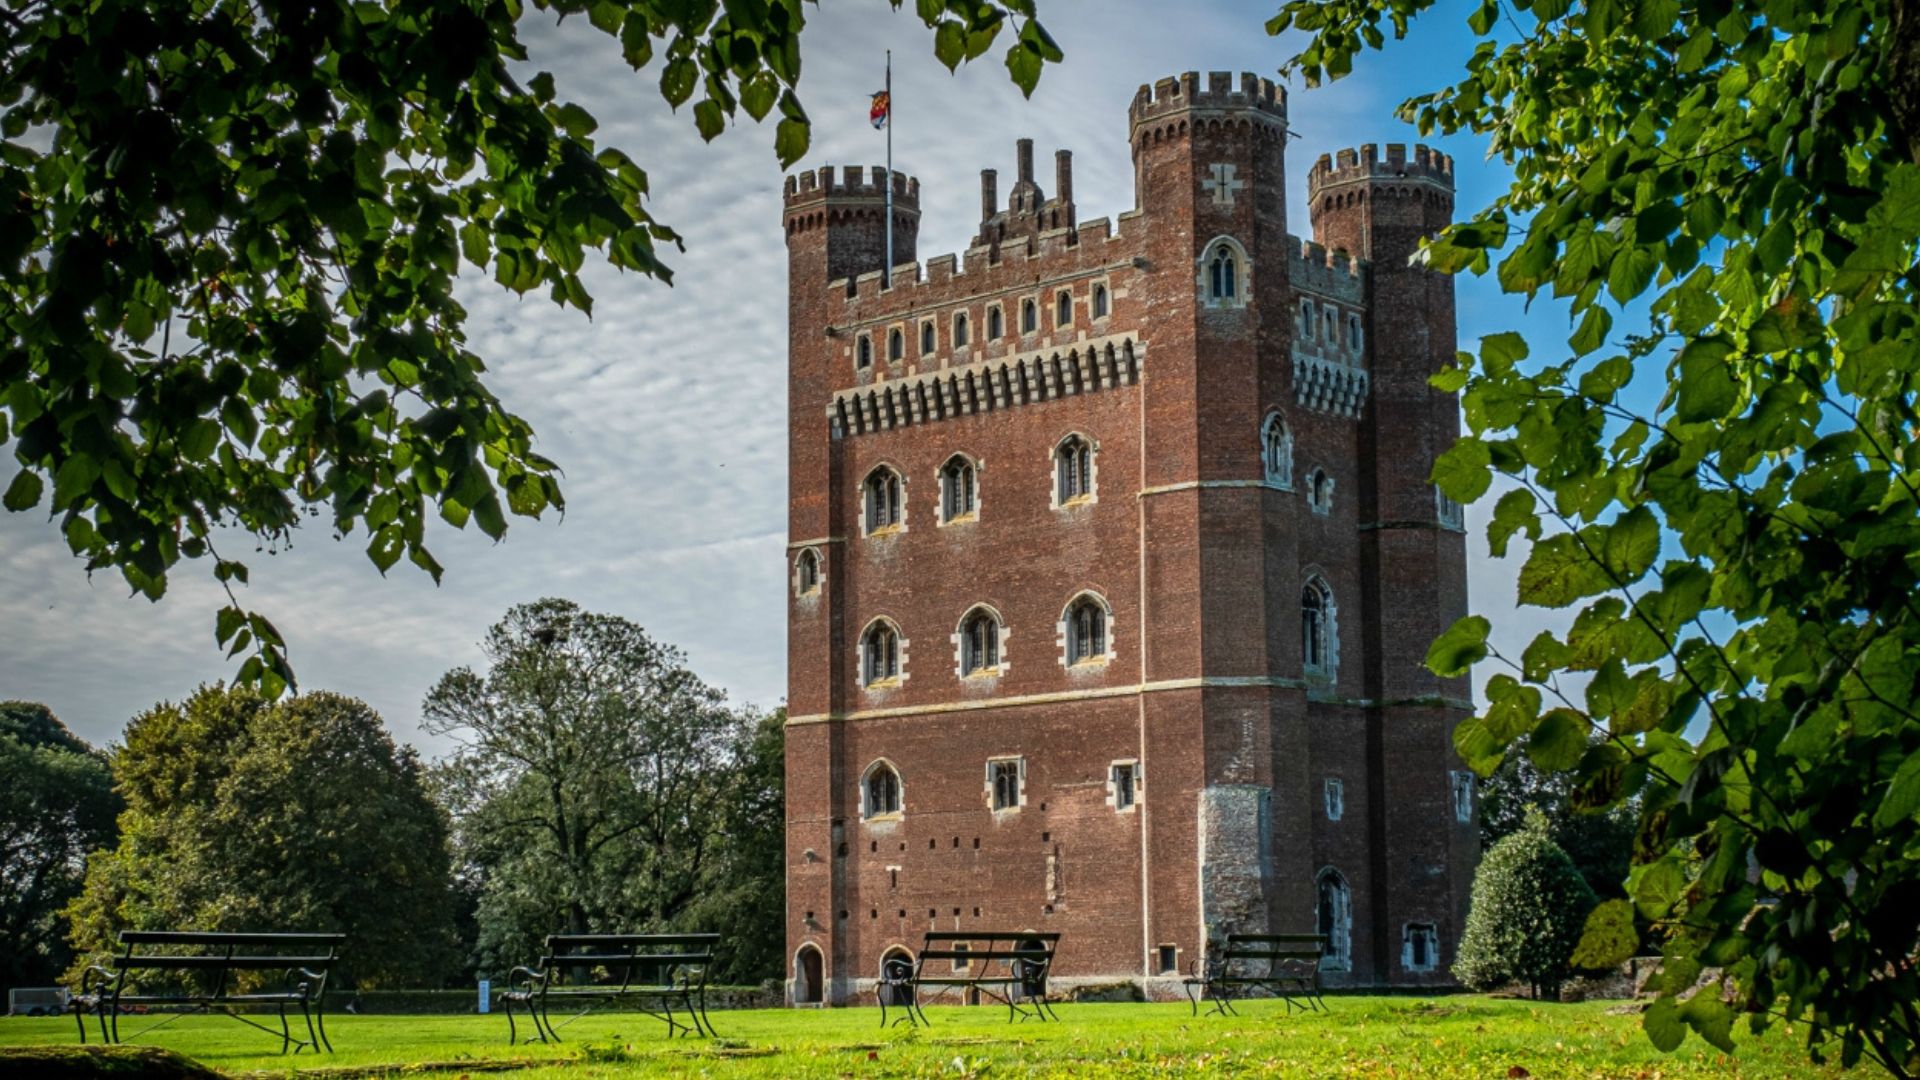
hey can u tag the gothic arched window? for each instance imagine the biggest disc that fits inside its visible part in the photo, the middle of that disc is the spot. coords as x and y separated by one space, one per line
1086 620
979 643
1320 491
1099 301
880 791
994 326
1306 320
896 346
1317 642
806 573
1029 317
960 330
1073 468
879 654
1334 912
958 495
882 496
1223 271
1063 309
926 338
864 353
1276 451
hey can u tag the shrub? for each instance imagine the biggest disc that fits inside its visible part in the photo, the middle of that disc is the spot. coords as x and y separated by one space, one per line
1529 905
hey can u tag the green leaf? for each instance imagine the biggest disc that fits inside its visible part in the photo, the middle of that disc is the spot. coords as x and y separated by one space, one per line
1707 390
758 94
790 140
950 44
1500 352
1592 333
226 622
1658 889
1558 571
385 547
577 122
1632 271
1455 652
1558 740
1709 1016
1512 514
709 118
676 81
1663 1025
74 479
1464 472
1024 65
1609 939
24 492
1902 800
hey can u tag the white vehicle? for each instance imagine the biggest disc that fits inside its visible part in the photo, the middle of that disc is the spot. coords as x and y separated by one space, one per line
37 1001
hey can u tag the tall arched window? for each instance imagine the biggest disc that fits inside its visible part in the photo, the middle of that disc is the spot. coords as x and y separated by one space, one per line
1334 911
883 499
995 328
1063 309
896 346
1223 274
879 654
1353 332
979 643
806 573
957 493
1029 316
926 338
1099 301
1276 451
1086 620
960 330
1317 640
1073 469
1222 281
1306 320
880 791
864 353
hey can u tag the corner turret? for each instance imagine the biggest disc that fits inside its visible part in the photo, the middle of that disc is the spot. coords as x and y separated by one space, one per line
1376 209
836 223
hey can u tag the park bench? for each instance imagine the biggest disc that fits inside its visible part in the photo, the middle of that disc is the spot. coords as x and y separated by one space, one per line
134 980
1008 966
599 969
1285 965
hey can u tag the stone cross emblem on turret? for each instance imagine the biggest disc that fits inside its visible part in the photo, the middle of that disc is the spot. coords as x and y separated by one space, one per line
1222 184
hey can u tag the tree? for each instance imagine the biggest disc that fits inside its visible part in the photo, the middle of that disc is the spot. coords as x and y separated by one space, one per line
1600 843
592 779
1529 906
228 240
57 805
746 895
300 815
1746 173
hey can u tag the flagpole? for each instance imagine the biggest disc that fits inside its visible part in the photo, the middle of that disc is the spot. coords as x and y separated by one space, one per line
887 278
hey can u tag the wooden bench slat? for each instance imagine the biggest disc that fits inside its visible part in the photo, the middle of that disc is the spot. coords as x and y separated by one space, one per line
215 963
196 937
624 959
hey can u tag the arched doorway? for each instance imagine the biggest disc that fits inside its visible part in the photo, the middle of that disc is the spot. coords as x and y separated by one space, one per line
808 984
1334 917
896 967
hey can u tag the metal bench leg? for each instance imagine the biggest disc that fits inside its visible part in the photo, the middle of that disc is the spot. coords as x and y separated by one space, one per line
320 1020
286 1033
115 1020
546 1020
313 1038
704 1018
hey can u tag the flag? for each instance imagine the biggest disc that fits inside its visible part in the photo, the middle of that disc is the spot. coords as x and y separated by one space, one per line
882 106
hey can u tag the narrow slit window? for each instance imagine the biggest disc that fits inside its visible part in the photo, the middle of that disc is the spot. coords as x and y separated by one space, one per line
994 327
1099 301
926 338
864 353
896 346
1029 317
1063 309
960 330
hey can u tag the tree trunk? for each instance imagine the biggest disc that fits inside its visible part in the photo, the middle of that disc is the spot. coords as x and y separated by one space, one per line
1903 74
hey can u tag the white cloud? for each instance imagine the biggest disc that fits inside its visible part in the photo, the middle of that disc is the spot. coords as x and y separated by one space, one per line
667 409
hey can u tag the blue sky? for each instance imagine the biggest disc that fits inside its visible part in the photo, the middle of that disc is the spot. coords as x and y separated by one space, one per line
667 409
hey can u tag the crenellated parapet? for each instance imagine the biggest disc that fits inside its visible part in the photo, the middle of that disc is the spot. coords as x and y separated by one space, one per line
1333 275
1172 99
848 193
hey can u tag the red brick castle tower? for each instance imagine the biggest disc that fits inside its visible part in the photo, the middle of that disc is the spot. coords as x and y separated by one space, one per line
1113 563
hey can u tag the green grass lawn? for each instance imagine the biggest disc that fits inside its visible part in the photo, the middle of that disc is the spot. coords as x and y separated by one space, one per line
1360 1037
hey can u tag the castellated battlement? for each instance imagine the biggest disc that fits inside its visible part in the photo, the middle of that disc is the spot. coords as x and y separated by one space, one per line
1186 92
983 271
1332 275
850 181
1366 164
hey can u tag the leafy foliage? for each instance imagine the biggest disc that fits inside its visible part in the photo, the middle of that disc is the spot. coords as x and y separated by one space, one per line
229 235
298 815
1600 842
1742 551
1529 906
56 805
598 786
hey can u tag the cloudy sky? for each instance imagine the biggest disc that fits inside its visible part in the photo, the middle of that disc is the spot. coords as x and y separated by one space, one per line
667 408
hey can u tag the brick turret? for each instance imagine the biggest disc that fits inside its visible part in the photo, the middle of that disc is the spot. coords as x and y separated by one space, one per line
842 216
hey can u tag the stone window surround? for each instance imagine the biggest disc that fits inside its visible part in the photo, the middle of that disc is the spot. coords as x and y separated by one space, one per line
959 639
940 492
1329 668
1450 514
900 789
1096 286
1339 954
1065 292
863 351
1410 930
819 572
897 332
929 337
1243 275
995 311
880 686
1320 491
1336 798
1020 762
1092 495
1462 788
1113 791
1284 479
1064 626
1031 302
960 331
866 484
